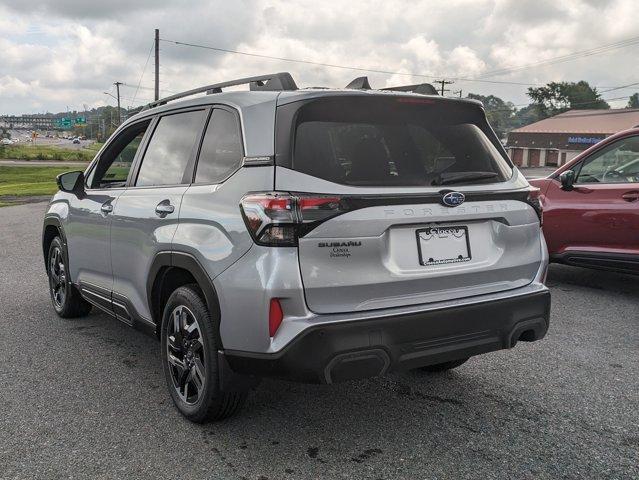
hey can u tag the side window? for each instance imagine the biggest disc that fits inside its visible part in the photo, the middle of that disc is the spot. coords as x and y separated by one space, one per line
221 152
115 162
619 163
171 147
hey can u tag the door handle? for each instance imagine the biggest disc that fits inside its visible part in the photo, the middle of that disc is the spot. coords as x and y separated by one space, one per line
106 208
164 208
630 196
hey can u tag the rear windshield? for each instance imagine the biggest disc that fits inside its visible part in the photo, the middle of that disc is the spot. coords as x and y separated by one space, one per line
399 141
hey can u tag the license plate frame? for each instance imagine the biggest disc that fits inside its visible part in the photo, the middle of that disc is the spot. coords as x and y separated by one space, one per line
440 234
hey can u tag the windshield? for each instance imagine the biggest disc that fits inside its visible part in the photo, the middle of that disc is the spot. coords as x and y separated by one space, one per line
395 142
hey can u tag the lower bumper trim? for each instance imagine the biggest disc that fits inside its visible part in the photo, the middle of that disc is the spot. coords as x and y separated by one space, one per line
335 352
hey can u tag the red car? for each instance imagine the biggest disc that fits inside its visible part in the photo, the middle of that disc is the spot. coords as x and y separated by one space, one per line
591 206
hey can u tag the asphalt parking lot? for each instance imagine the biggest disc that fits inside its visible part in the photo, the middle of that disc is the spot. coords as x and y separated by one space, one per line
86 398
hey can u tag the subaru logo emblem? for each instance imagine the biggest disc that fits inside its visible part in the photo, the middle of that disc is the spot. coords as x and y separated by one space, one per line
453 199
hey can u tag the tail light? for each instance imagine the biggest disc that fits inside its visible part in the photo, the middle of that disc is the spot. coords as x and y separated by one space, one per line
279 218
534 200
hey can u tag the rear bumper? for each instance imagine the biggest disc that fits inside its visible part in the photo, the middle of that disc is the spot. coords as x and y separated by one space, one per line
333 352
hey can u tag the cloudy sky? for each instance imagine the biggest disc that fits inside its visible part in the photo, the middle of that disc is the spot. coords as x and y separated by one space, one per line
61 54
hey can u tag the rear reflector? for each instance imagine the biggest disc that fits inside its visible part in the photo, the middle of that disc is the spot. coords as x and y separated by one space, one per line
275 316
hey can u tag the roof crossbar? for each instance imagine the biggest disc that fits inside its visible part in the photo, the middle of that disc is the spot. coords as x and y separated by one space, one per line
421 88
271 82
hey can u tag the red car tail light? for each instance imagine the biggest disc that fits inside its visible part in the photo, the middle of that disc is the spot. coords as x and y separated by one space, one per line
279 218
534 200
275 316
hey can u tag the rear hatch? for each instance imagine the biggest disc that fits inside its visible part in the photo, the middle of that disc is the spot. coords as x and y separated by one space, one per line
426 206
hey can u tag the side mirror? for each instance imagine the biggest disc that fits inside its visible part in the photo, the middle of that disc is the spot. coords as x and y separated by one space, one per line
567 179
71 182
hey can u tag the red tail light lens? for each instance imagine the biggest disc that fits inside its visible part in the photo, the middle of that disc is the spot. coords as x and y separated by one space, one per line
278 218
275 316
534 200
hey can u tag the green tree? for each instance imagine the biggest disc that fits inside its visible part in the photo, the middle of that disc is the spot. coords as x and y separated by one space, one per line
527 115
500 114
557 97
633 101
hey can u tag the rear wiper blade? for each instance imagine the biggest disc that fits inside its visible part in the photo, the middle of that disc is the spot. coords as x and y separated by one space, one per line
459 177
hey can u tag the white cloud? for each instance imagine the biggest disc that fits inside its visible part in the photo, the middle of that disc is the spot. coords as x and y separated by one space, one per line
66 53
14 87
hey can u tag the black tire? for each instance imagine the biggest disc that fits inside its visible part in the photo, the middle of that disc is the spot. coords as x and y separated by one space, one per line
445 366
65 297
189 345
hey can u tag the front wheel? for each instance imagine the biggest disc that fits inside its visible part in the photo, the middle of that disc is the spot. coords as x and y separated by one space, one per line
189 357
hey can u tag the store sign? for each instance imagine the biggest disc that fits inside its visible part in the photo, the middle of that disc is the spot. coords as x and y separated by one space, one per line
584 140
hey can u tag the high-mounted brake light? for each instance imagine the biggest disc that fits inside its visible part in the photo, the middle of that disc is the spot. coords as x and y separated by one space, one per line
280 218
534 200
415 100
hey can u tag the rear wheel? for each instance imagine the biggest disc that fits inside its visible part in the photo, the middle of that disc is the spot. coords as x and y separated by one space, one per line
189 357
67 301
445 366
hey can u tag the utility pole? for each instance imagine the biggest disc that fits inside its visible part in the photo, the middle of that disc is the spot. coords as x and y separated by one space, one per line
443 83
458 92
117 88
157 64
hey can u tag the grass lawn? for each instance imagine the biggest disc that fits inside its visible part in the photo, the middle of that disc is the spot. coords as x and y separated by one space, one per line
27 181
48 152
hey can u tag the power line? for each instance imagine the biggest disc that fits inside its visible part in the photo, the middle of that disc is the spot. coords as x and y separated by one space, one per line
146 87
620 88
564 58
131 98
142 75
603 111
478 79
141 87
344 67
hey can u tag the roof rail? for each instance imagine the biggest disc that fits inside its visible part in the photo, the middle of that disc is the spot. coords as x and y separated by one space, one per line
272 82
422 88
361 83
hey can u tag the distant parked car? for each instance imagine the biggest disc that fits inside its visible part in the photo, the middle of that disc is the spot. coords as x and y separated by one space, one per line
591 206
76 140
6 141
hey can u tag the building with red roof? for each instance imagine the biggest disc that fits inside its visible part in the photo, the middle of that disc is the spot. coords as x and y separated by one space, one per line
557 140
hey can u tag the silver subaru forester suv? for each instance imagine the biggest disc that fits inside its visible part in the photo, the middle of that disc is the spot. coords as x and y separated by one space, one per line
316 235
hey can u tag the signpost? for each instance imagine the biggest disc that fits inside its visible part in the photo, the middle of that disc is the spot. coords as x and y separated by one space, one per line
66 123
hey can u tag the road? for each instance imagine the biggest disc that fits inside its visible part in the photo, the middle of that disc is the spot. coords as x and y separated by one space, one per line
86 398
24 138
42 163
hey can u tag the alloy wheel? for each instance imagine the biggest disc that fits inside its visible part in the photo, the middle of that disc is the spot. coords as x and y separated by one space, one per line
57 277
185 354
